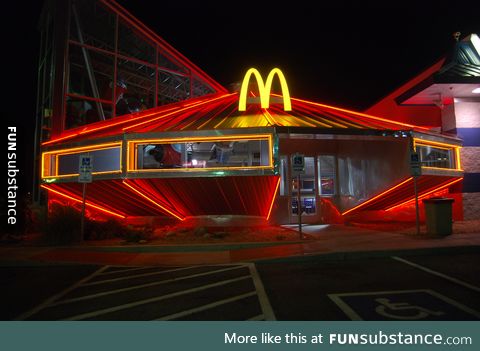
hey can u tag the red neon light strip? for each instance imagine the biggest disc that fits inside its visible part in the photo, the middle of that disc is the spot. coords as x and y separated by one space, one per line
153 201
356 113
174 112
274 196
87 203
130 118
377 196
406 202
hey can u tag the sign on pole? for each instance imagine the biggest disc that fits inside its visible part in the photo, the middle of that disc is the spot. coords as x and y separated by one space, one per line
415 165
298 165
85 168
298 168
416 171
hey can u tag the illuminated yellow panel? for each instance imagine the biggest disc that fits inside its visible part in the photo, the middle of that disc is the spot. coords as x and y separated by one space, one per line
53 156
264 89
439 145
132 146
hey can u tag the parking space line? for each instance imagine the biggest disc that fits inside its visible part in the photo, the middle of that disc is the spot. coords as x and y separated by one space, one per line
109 292
137 276
438 274
58 296
344 307
206 307
153 299
127 269
262 295
260 317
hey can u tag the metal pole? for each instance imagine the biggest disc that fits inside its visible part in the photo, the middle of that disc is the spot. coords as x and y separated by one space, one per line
82 223
299 207
417 213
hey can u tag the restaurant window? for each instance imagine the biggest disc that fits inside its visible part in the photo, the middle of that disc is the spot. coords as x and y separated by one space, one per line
202 154
432 156
326 175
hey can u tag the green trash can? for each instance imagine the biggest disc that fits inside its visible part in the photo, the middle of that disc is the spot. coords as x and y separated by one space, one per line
438 216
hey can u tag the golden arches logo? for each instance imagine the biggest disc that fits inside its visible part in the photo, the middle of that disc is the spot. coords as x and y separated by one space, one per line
264 89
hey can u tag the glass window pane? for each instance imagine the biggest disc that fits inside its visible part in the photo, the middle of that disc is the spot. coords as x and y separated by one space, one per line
308 205
135 87
172 88
90 73
133 44
204 154
81 111
92 24
326 175
435 157
103 161
307 180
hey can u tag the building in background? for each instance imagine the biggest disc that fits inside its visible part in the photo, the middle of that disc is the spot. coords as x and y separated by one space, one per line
446 97
170 143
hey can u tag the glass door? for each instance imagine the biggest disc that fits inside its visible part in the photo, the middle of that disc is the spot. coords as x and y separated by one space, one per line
307 190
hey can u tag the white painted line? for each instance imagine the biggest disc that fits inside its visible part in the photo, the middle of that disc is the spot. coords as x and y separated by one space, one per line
260 317
127 269
52 299
344 307
438 274
455 303
262 295
355 317
206 307
137 276
153 299
109 292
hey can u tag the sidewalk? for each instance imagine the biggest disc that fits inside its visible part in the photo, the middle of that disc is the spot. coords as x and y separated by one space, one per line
332 242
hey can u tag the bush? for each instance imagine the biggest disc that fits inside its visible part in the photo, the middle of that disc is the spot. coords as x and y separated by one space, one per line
63 225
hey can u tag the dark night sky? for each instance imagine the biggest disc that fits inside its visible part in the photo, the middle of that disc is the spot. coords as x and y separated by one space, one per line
344 53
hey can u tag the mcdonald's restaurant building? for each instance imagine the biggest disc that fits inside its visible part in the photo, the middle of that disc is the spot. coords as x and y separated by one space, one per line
169 142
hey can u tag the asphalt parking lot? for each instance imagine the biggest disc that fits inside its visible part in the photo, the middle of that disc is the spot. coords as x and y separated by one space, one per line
408 288
433 287
221 292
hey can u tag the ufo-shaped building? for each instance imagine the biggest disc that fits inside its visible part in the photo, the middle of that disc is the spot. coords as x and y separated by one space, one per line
169 142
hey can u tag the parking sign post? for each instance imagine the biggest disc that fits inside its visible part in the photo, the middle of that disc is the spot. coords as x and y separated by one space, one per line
416 171
298 168
84 176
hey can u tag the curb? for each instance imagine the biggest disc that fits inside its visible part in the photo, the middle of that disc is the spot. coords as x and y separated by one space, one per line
355 255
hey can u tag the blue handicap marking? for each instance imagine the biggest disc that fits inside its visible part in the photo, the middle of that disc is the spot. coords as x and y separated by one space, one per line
403 305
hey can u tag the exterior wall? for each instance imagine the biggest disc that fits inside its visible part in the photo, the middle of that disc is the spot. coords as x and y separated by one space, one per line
467 127
366 166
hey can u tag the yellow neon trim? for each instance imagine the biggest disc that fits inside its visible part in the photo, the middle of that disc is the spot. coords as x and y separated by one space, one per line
153 201
48 155
264 89
434 143
87 203
424 195
442 169
74 150
377 196
132 148
273 199
443 146
457 158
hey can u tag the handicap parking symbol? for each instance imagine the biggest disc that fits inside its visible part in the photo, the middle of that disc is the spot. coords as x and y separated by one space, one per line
402 305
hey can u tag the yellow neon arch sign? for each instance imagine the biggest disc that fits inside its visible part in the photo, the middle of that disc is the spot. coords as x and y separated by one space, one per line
264 89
